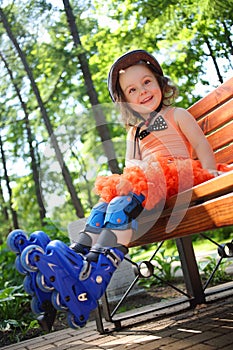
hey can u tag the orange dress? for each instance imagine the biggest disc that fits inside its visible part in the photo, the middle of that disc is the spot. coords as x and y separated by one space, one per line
161 166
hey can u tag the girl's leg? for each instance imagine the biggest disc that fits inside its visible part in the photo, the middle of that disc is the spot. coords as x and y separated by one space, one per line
119 224
93 228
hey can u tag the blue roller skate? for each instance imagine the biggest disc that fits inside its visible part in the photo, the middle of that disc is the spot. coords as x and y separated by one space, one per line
78 283
41 303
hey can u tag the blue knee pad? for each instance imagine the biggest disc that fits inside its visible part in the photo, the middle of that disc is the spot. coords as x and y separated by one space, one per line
95 222
122 212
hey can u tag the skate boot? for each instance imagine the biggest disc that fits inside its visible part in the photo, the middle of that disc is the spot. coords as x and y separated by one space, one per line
41 303
77 282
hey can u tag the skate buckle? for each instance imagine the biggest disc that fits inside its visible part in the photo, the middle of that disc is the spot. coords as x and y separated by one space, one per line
113 257
86 270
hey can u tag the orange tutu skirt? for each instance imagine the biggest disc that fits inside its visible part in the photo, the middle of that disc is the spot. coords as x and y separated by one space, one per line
160 180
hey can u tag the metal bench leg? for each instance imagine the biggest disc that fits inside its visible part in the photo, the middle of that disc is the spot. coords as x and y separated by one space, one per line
98 320
103 311
190 270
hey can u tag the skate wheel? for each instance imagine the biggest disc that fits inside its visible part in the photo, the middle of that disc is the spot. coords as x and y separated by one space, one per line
26 258
19 266
73 322
40 238
36 306
15 239
40 280
28 286
56 301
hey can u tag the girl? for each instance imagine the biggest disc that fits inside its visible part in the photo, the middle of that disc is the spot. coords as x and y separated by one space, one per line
160 143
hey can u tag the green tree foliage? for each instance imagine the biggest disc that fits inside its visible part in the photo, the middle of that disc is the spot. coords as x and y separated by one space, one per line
183 37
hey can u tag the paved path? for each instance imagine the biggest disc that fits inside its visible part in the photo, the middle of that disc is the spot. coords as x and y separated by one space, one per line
209 327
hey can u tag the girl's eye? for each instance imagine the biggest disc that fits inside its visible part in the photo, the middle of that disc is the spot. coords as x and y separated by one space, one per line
147 82
131 90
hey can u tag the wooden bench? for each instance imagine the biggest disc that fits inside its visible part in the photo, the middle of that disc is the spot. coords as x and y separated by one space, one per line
209 205
204 207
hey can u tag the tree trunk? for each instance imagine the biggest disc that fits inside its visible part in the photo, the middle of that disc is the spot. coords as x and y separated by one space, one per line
220 78
101 123
83 173
3 205
65 172
6 177
34 165
228 37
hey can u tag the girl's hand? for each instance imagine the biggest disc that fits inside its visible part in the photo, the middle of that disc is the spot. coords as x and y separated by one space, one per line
215 172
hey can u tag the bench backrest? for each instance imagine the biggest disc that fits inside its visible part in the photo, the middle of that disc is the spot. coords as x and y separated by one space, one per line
214 114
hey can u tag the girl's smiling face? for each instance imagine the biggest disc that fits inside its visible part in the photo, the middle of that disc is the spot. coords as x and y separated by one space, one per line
141 89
